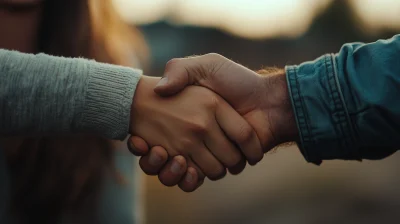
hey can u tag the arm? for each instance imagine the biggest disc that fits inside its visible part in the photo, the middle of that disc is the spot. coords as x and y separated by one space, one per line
343 105
42 94
346 104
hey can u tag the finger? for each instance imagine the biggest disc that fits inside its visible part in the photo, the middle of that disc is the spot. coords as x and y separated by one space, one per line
190 181
173 172
200 173
238 168
190 184
206 161
174 80
153 162
181 72
137 146
220 146
239 131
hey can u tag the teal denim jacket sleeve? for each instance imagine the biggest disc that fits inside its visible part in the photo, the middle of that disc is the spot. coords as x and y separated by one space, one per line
347 105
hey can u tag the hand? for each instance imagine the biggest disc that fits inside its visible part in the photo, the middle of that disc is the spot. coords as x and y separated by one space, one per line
263 100
196 124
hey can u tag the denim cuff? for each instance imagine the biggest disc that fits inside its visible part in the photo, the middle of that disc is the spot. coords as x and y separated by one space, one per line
321 115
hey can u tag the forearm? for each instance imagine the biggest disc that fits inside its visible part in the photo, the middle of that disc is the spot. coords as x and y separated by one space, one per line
345 103
41 95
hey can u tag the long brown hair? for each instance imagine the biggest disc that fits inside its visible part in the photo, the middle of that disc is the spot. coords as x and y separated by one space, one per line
51 175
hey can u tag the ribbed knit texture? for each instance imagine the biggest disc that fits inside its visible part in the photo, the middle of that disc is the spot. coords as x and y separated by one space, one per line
108 100
46 95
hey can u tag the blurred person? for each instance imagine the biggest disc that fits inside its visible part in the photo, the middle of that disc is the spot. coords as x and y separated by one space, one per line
339 106
47 177
59 112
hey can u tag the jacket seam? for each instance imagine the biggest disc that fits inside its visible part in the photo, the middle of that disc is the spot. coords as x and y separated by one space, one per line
346 124
332 90
300 114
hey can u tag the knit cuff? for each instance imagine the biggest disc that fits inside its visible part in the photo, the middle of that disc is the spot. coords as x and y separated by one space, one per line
108 99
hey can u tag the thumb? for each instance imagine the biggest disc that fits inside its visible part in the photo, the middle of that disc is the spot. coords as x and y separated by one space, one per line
182 72
175 79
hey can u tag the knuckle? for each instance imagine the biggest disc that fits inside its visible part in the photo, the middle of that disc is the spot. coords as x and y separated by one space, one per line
135 152
147 170
254 159
215 64
162 154
214 56
165 180
210 101
186 188
180 161
217 173
186 144
238 168
171 63
201 176
214 101
234 160
245 134
159 152
199 127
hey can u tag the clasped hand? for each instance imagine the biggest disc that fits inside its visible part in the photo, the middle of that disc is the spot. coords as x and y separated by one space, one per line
207 115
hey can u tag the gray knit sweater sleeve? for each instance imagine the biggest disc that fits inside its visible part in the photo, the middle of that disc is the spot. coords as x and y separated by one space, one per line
42 95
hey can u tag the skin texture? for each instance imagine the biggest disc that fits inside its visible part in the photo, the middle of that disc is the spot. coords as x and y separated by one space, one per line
196 124
261 98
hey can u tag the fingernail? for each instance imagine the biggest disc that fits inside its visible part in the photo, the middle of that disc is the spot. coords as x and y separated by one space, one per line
162 82
189 177
175 167
154 160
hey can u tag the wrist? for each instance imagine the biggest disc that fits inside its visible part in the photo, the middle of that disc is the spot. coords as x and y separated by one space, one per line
143 95
290 131
279 111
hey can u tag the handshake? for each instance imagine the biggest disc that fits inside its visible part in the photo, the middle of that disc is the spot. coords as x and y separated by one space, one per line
208 115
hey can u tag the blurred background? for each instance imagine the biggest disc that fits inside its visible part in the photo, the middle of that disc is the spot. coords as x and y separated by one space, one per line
283 188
